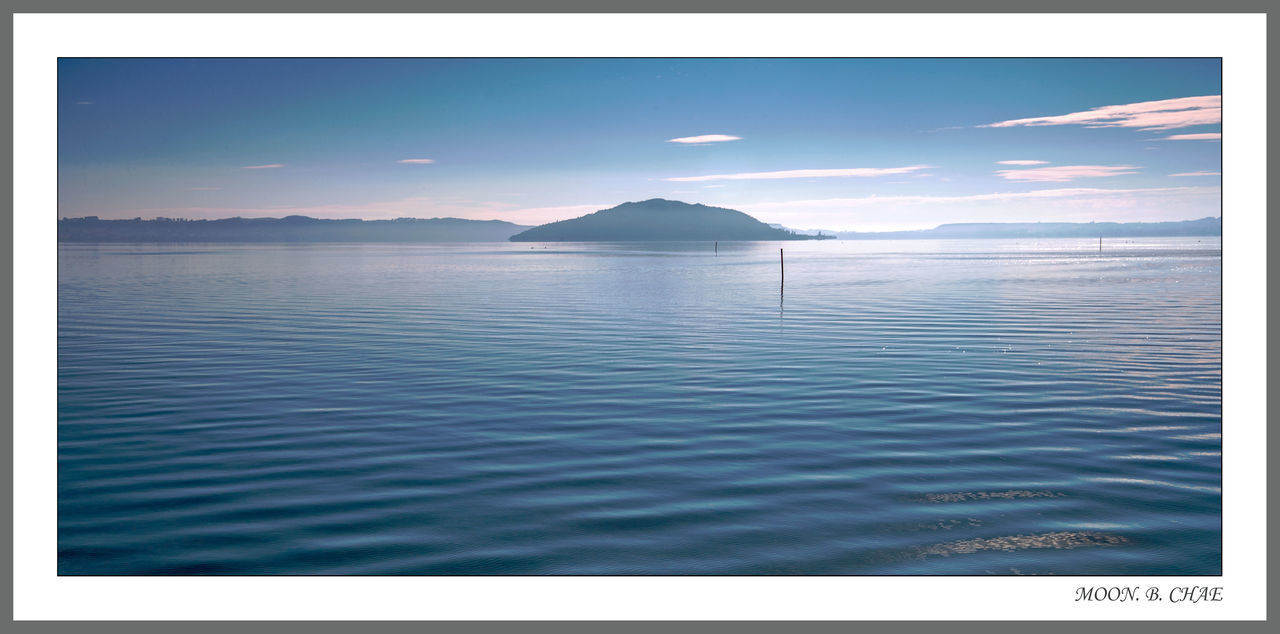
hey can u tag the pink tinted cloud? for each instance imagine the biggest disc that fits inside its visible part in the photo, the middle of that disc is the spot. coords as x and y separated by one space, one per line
1204 136
705 138
855 171
1064 173
417 161
1165 114
263 167
1022 162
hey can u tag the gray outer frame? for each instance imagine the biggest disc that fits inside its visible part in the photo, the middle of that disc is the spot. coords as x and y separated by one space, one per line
569 6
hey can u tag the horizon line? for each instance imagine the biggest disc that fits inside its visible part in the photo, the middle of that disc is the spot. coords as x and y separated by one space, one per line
402 219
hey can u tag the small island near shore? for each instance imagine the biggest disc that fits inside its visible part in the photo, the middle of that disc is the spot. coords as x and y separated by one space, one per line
660 220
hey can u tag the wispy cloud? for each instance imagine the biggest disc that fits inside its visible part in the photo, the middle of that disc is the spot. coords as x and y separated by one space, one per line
1197 174
1165 114
204 189
1022 162
856 171
705 138
1204 136
263 167
417 161
1064 173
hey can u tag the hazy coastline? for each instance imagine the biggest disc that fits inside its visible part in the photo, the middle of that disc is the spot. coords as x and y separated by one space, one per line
654 220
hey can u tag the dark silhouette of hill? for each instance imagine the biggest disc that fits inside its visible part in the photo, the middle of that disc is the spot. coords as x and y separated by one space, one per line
1201 227
288 229
658 219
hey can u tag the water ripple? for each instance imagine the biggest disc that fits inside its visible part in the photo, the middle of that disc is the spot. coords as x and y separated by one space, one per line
640 409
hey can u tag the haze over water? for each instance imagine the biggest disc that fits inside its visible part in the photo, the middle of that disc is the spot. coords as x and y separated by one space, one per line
900 407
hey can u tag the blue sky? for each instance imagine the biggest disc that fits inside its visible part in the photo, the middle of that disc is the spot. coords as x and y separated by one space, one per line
844 144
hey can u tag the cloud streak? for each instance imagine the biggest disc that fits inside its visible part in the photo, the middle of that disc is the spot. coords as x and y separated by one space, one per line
1022 162
417 161
825 173
1204 136
1063 173
269 166
1198 174
1165 114
705 138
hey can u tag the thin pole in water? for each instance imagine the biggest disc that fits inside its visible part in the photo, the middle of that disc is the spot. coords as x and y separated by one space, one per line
782 267
1099 244
717 247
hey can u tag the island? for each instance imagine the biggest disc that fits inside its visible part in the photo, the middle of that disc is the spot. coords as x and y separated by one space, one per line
659 220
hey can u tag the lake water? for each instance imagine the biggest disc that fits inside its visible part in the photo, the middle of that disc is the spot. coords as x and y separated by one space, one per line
899 407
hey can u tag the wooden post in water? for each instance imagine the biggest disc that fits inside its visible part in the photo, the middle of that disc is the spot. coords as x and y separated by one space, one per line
1099 244
782 267
717 247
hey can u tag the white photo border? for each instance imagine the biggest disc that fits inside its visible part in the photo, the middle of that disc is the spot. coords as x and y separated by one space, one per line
39 39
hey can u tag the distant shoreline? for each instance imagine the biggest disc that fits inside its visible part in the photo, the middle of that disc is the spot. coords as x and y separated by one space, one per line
1041 230
302 229
291 229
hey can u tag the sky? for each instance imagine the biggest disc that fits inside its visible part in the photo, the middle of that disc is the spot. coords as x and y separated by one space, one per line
837 144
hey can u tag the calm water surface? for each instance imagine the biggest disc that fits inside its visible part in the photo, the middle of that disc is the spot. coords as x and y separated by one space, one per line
904 407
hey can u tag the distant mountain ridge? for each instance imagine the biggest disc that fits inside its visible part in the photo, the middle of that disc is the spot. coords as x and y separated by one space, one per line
658 219
287 229
655 219
1202 227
